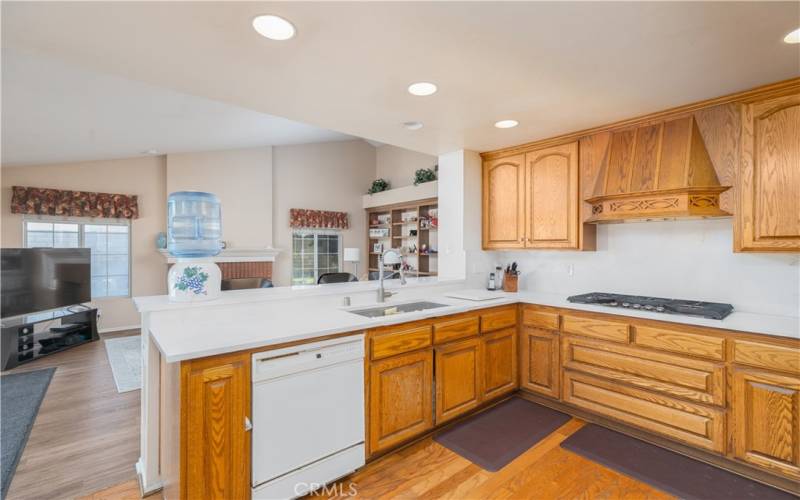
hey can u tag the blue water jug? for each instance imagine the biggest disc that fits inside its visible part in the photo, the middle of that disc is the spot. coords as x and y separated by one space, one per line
194 224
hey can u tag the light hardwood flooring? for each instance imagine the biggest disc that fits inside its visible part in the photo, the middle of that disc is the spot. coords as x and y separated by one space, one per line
86 435
427 470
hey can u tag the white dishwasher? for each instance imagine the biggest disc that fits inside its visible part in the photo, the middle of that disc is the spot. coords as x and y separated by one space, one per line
308 416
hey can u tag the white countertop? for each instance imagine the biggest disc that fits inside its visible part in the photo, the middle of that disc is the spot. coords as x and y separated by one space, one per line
153 303
183 333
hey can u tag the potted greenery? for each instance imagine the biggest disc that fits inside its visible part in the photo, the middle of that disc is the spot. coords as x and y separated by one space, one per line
424 175
378 185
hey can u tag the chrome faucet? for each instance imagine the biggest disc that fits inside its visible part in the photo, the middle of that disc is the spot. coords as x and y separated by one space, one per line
390 256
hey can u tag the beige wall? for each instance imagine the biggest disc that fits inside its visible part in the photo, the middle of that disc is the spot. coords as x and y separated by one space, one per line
323 176
242 179
397 165
257 188
145 177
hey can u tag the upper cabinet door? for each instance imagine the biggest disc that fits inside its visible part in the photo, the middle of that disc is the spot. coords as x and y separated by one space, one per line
551 197
503 203
768 199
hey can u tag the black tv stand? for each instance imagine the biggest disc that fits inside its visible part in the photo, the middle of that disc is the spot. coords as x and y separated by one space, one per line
29 337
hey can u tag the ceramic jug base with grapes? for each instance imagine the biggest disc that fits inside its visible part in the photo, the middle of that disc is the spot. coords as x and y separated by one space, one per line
194 280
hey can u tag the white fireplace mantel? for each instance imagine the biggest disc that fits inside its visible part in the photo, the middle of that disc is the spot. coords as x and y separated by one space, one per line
235 255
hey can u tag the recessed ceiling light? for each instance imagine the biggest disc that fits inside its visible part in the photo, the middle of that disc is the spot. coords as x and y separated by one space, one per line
506 123
413 125
422 88
793 37
273 27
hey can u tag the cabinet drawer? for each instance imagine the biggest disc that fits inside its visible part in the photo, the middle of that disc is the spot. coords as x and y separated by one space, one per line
692 424
769 356
498 318
539 319
455 328
597 328
391 343
702 346
693 379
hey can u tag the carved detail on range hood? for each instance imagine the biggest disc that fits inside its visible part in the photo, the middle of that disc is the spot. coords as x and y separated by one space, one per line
661 170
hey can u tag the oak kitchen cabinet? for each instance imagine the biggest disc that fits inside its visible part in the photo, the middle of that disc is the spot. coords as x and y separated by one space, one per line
215 402
400 398
734 395
552 197
504 203
532 200
676 163
768 203
539 347
766 420
458 378
428 372
498 363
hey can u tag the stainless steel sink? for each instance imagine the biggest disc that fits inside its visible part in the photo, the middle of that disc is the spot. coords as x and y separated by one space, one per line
389 310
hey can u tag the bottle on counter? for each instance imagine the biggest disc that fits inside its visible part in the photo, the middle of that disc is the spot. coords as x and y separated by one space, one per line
492 282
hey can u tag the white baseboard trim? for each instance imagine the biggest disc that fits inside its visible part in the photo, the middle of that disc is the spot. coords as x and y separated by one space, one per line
146 489
118 328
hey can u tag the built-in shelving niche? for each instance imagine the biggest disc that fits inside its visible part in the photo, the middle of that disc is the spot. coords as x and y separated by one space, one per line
413 228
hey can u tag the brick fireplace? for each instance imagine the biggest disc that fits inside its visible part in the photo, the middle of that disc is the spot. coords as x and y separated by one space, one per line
241 263
231 270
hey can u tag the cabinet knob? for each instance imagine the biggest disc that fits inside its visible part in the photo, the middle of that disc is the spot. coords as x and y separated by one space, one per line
248 426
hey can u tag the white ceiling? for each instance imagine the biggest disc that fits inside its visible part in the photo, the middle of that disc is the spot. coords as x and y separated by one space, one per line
54 112
554 66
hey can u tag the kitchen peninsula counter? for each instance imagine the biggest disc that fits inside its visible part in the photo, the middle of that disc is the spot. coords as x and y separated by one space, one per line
253 320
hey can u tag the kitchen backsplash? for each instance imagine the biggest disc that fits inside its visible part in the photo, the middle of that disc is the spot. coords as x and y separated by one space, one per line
689 259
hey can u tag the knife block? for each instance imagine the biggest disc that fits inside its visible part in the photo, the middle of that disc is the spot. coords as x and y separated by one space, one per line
510 282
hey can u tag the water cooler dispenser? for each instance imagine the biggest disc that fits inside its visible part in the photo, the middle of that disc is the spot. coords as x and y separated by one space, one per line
194 234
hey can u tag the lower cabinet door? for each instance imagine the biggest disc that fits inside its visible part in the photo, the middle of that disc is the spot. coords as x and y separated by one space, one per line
216 404
458 381
400 399
766 420
540 370
499 360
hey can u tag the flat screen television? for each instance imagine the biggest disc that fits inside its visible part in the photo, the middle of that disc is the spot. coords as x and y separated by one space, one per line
40 279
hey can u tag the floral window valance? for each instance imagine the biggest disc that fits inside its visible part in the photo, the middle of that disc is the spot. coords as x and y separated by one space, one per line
41 201
302 218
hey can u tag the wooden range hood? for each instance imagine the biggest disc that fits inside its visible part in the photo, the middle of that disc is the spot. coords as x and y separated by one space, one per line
657 171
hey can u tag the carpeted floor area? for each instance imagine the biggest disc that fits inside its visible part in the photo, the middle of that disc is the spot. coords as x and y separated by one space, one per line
21 395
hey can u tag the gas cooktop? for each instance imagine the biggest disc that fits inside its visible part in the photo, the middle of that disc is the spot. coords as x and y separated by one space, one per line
710 310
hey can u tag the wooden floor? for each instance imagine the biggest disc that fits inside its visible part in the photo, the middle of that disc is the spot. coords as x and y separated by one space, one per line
86 435
427 470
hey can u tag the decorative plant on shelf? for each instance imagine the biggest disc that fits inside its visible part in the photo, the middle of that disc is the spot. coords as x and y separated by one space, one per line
378 185
424 175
